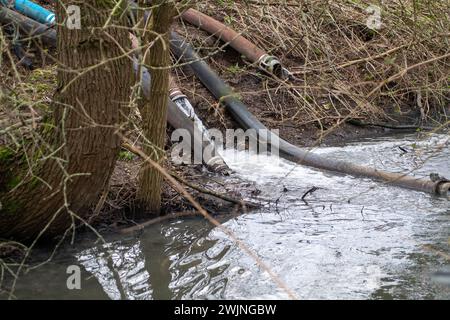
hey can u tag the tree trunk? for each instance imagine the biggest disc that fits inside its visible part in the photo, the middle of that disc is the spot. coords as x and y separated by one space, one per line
154 112
89 106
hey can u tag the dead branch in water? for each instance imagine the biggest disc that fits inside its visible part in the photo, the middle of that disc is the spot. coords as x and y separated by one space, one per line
176 215
215 194
221 196
156 220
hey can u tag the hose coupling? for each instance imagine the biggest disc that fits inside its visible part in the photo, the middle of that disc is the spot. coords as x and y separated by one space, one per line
217 164
272 65
176 94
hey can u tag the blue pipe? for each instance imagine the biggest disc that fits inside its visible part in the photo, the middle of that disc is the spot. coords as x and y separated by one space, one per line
32 10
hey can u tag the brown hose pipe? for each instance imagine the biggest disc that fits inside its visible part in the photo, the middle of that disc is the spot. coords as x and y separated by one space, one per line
238 42
226 34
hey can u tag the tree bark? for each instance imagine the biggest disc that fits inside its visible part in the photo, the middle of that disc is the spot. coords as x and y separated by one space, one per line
154 112
94 82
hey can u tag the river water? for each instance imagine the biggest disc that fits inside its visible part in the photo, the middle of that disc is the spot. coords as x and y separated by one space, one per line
350 239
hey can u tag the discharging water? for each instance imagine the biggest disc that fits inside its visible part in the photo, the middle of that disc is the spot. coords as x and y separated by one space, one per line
350 239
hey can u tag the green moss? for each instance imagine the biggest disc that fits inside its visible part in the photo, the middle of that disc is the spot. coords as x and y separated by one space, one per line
34 182
34 90
13 182
125 156
9 207
6 154
13 168
225 3
43 77
48 128
117 6
234 69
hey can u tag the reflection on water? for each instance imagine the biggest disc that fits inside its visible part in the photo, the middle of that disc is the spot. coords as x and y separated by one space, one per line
352 238
119 269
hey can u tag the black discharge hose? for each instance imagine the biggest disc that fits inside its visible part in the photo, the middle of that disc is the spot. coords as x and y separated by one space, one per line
246 120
